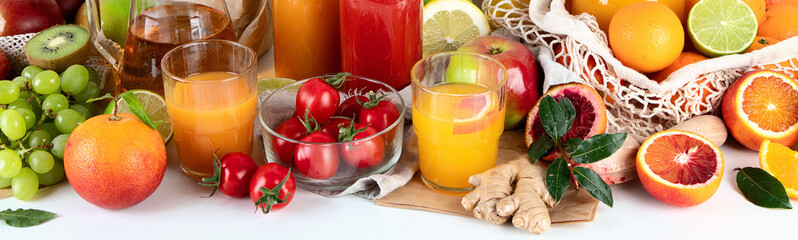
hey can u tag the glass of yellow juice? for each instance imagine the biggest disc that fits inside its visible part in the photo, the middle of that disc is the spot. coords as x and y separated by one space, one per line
211 99
458 116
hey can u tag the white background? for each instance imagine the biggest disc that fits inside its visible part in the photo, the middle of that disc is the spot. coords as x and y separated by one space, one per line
176 210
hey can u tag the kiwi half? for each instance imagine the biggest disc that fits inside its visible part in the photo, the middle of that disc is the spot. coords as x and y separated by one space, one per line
58 47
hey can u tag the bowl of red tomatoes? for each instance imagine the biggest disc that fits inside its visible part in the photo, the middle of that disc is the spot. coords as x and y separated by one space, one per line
333 130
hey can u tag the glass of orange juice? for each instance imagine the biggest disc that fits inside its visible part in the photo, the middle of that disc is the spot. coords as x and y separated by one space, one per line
458 116
211 99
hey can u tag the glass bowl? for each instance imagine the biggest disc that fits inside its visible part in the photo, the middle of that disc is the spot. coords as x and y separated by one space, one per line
280 106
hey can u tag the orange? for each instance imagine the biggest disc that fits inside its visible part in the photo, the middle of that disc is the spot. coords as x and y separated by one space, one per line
761 42
646 36
762 105
774 2
604 10
507 6
781 22
781 162
684 59
781 67
758 6
679 168
114 162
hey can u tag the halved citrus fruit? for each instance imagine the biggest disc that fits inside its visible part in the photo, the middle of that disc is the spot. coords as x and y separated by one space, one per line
721 27
679 168
762 105
781 162
154 105
591 114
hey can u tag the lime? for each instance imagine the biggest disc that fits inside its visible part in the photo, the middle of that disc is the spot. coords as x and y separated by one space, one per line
154 105
722 27
268 85
448 24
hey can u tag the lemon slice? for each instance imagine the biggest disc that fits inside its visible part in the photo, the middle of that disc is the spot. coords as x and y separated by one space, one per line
154 105
448 24
721 27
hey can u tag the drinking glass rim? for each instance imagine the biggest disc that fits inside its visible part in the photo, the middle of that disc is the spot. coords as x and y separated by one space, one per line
248 50
415 81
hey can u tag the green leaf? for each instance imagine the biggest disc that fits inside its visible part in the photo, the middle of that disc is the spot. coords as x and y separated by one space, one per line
106 96
541 147
762 189
596 148
553 118
558 177
571 144
592 182
568 111
138 109
25 217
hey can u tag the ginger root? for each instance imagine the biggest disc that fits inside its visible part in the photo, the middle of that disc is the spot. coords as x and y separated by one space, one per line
494 200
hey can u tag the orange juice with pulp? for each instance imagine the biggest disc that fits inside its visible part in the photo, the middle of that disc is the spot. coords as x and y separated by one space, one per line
460 134
207 117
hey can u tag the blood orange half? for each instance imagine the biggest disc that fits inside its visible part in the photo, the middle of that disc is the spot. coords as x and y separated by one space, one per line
679 168
591 114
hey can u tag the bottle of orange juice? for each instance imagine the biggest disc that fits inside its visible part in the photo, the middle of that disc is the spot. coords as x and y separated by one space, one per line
603 10
306 38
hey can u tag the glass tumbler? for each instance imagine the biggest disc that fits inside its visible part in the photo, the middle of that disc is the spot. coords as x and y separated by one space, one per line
458 116
211 99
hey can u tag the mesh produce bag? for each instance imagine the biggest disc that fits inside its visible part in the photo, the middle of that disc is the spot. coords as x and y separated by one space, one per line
635 104
14 47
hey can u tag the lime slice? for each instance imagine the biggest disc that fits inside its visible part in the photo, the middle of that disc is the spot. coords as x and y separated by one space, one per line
722 27
268 85
448 24
154 105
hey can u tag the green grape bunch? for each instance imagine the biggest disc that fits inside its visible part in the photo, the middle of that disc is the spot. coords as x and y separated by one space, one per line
38 111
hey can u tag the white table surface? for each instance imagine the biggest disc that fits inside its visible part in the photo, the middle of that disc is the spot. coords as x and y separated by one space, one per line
177 211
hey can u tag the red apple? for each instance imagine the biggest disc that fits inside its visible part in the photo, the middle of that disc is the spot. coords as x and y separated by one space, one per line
28 16
69 8
6 71
522 74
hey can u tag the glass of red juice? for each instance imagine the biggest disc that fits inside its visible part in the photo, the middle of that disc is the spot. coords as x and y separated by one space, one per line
381 39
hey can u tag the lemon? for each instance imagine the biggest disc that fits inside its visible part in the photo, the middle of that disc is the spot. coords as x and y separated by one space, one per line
722 27
154 105
448 24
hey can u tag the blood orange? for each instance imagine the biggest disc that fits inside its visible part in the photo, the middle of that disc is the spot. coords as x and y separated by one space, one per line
679 168
591 114
762 105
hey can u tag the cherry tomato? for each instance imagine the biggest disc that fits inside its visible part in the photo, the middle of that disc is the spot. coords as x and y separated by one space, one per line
351 107
317 161
319 97
293 129
237 170
231 174
277 182
379 116
362 153
334 124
